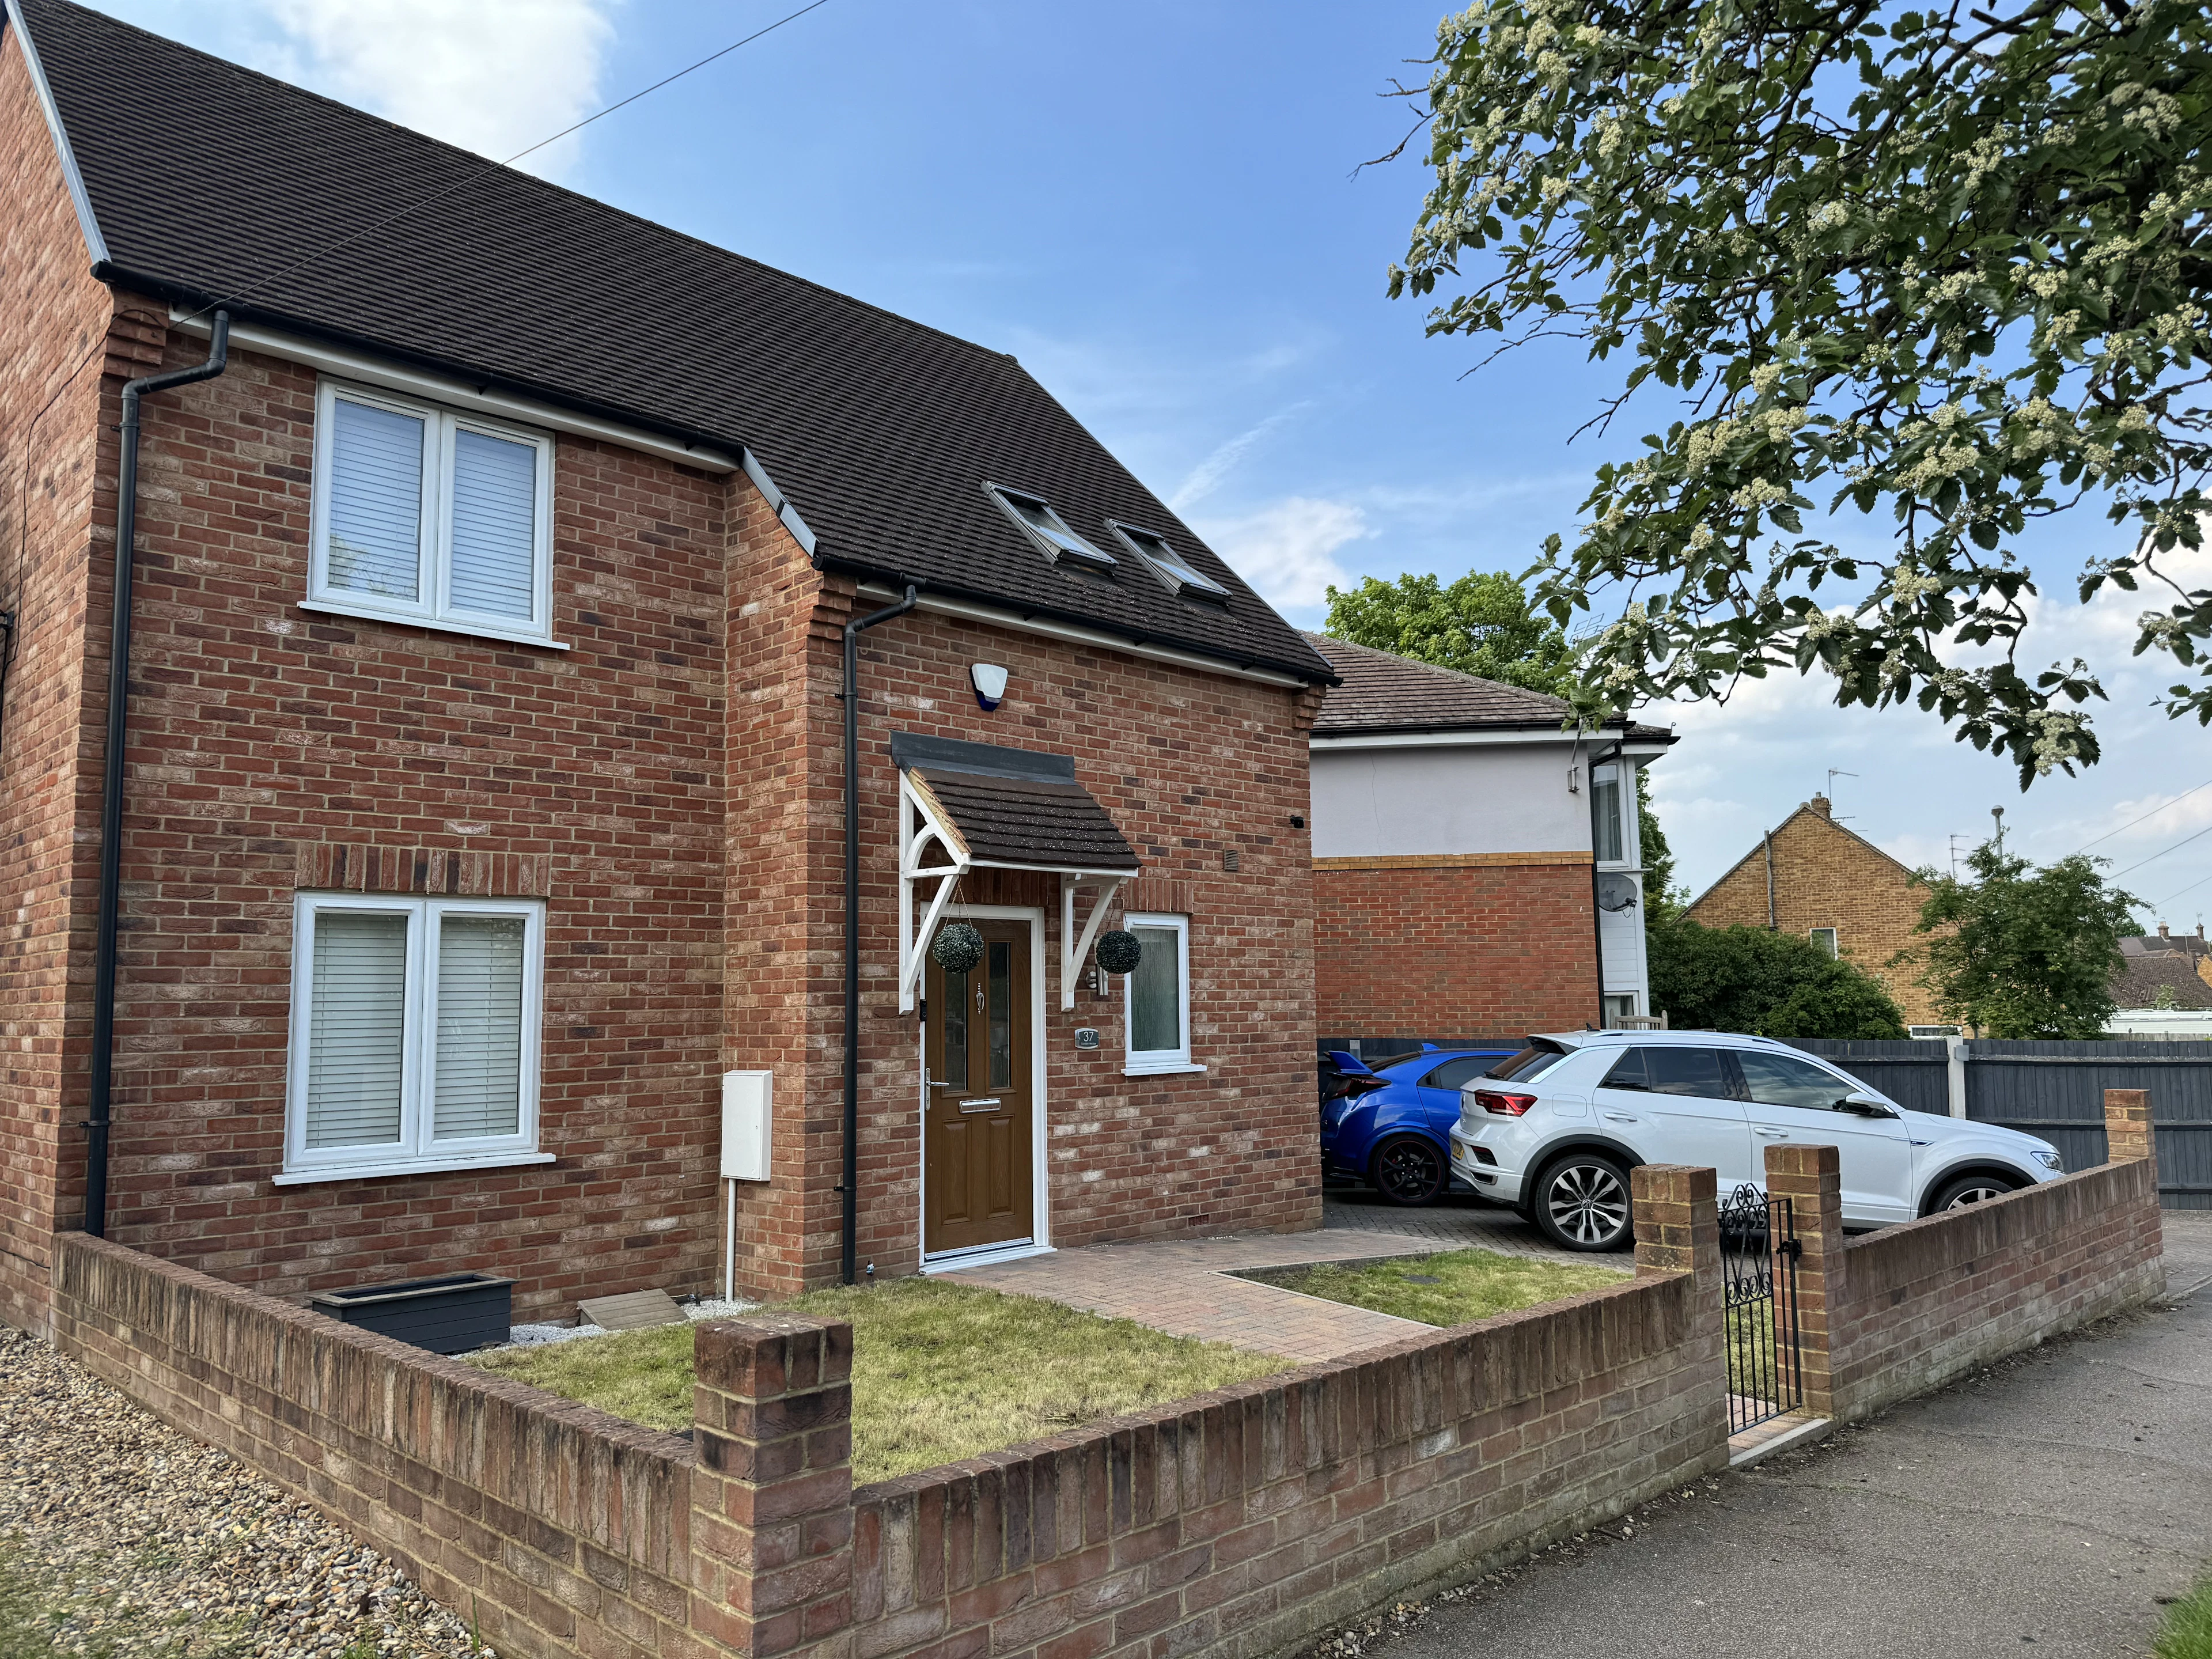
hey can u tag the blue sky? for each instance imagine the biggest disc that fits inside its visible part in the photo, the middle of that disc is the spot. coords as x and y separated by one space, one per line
1154 207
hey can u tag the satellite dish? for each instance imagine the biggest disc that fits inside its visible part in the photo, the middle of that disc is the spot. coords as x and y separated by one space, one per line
1616 893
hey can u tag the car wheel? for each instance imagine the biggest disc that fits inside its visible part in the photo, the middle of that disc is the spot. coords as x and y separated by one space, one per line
1962 1190
1581 1202
1409 1170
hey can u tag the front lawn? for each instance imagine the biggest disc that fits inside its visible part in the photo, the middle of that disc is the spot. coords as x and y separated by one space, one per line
1448 1289
941 1372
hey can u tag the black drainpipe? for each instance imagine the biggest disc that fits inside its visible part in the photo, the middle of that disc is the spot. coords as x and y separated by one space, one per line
110 799
850 1188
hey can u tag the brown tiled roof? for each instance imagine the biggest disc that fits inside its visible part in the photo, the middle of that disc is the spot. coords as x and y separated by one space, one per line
208 180
1384 692
1022 821
2141 978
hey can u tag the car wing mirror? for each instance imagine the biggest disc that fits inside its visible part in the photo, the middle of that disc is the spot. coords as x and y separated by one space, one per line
1865 1106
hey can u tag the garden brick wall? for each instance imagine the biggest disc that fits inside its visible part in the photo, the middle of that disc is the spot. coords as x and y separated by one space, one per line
1892 1314
1238 1522
1452 951
1825 876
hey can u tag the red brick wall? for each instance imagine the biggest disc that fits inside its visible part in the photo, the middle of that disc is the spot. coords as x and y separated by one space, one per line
1239 1522
1895 1313
554 1528
1448 953
64 353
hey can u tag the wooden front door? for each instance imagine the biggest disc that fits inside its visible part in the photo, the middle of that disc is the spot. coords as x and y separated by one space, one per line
976 1178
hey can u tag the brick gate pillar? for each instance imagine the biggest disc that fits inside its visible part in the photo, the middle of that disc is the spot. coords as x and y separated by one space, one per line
772 1493
2127 1126
1811 1178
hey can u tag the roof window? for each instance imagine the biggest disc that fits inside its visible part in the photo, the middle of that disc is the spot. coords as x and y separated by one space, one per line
1170 565
1034 517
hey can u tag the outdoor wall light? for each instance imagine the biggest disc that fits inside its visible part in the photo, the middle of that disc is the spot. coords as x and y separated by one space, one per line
990 682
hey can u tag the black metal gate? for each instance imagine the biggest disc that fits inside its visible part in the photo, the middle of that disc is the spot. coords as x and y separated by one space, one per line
1758 1262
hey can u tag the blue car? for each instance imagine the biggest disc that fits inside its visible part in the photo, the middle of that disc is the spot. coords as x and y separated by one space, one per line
1389 1126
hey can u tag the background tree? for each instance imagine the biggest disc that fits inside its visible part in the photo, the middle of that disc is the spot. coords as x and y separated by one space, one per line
1951 265
1769 984
1483 624
2021 952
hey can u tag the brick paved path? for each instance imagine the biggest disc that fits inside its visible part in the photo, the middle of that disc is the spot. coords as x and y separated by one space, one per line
1184 1287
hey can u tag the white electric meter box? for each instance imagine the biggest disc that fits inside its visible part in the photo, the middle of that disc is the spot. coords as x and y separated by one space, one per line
746 1100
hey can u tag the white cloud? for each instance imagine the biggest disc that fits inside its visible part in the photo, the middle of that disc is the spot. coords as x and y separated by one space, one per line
493 76
1286 550
1202 478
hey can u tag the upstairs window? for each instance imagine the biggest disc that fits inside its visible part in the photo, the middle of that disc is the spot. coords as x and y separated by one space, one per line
1824 941
1170 565
1034 516
1605 816
426 516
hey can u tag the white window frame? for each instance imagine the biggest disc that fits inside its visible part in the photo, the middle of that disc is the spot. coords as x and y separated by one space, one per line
1084 555
415 1151
1155 1062
1176 572
434 582
1622 775
1835 946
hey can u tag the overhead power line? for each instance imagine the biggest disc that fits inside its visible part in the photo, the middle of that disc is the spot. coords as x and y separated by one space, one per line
490 167
2153 813
2163 852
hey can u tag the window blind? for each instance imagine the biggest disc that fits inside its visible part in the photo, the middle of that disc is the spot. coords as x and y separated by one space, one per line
357 1030
1156 991
478 1089
495 525
376 501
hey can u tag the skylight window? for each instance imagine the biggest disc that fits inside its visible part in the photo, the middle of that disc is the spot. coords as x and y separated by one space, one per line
1034 515
1170 565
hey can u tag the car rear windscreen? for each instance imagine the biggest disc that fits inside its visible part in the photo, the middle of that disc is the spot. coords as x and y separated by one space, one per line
1523 1065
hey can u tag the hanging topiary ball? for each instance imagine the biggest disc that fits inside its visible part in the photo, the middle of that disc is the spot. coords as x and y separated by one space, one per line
957 948
1119 952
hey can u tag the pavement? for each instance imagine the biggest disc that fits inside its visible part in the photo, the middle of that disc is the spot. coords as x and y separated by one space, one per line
1187 1286
2051 1503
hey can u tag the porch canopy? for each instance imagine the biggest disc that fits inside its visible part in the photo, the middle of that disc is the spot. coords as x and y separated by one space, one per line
967 806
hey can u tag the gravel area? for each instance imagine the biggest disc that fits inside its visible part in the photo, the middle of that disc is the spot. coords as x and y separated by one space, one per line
120 1536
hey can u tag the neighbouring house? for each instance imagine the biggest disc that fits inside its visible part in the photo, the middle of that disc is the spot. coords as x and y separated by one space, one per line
2163 986
1477 867
1812 876
483 826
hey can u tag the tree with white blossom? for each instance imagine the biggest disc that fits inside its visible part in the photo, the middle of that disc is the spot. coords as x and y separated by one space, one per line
1950 269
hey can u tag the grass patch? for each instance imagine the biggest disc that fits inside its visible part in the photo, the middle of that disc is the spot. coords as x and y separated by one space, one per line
941 1372
1448 1289
2188 1630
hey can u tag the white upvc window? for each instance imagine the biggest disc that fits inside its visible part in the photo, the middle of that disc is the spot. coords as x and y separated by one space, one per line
1824 941
428 516
415 1034
1156 997
1612 816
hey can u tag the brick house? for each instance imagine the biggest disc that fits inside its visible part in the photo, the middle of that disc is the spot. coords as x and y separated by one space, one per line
1814 878
1477 867
482 825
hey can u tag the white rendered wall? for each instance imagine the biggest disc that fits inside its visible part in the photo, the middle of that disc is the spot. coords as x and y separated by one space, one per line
1396 803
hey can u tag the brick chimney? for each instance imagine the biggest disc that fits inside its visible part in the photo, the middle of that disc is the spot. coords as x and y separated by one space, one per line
1821 805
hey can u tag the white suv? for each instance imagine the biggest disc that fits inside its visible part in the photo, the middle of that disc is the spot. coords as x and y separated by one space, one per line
1554 1131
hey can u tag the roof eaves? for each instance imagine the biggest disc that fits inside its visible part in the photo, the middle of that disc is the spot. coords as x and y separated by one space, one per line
1027 610
95 243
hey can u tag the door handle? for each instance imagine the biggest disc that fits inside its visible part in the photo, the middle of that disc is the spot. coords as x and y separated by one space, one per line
1771 1134
1621 1117
979 1105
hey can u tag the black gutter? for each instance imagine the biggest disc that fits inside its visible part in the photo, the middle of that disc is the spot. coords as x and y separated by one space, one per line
850 1186
98 1124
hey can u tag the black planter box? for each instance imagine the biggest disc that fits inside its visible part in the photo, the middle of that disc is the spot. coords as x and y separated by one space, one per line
453 1313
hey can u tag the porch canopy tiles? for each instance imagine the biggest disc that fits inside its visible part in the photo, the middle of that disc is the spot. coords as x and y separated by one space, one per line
967 806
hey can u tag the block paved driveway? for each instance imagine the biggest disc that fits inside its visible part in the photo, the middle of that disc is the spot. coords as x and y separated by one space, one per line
1184 1287
2042 1507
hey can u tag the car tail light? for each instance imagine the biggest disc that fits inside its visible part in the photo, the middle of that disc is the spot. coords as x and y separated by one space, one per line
1351 1088
1504 1105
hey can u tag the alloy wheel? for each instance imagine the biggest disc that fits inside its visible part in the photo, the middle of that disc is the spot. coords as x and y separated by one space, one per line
1588 1203
1409 1172
1979 1192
